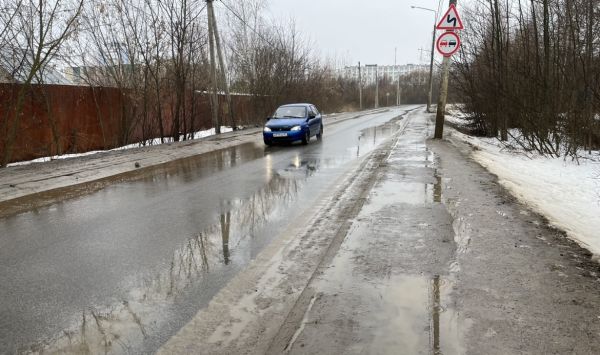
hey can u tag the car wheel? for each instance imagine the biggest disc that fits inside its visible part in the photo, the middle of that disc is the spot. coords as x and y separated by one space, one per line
306 138
320 134
268 143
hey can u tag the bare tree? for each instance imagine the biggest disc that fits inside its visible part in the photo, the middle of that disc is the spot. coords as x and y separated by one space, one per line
33 33
154 53
532 72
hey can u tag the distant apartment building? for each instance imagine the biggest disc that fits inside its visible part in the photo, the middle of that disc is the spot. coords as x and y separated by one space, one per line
16 65
109 64
370 71
87 75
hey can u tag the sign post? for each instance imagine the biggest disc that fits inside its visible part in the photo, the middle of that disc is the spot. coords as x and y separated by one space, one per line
447 44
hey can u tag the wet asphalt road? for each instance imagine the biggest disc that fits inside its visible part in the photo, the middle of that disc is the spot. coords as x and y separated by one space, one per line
122 269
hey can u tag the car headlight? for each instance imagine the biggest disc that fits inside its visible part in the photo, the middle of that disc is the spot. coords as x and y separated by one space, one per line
267 129
296 128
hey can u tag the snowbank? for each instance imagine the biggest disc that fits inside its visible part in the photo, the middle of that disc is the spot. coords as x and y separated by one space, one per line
149 142
566 192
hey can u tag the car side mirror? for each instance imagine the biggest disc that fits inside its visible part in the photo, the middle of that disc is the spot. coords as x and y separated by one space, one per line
311 116
268 118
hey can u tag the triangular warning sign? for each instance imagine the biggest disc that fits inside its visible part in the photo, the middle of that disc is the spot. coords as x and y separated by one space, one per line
450 20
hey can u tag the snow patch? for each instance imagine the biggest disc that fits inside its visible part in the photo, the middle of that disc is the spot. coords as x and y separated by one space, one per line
565 191
149 142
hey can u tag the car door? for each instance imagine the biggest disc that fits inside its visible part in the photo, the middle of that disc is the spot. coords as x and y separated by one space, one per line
318 119
314 123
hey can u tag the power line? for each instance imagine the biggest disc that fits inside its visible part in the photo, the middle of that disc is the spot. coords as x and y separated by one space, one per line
246 24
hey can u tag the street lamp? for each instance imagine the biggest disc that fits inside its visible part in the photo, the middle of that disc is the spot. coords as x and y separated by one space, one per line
431 62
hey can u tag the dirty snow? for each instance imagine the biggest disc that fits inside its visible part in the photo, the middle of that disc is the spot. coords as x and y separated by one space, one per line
149 142
566 192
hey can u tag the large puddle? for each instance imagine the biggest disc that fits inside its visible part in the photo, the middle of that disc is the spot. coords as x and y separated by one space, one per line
211 256
413 307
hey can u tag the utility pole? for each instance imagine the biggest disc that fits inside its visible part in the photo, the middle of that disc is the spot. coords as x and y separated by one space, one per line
398 82
400 97
222 64
376 86
360 87
398 90
431 67
213 69
441 107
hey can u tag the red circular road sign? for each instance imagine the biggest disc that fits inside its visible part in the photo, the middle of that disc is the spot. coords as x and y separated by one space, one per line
448 43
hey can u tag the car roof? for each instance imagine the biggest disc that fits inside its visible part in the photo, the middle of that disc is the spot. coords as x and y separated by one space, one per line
299 104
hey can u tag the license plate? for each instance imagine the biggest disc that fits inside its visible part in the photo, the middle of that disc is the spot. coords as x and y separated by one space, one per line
279 134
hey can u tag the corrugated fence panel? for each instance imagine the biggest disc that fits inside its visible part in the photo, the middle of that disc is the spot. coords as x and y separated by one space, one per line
59 119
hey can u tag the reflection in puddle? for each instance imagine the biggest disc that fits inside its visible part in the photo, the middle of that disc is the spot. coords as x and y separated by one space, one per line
392 192
225 224
407 314
299 168
437 188
188 169
371 137
412 304
445 332
436 309
127 323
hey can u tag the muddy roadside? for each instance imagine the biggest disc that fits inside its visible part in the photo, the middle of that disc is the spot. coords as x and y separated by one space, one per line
35 185
442 259
524 286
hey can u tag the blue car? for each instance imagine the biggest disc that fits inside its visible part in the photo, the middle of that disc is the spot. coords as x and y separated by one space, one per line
294 122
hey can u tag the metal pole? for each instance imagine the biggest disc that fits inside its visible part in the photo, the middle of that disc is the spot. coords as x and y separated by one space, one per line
360 87
213 68
400 99
223 68
398 90
376 87
398 81
431 69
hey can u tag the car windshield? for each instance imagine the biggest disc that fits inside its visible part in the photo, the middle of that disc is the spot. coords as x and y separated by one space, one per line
290 112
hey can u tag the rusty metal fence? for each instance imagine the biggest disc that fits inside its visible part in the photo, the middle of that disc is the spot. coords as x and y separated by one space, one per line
60 119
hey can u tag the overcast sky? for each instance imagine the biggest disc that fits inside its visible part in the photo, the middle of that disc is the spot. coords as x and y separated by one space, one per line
366 31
